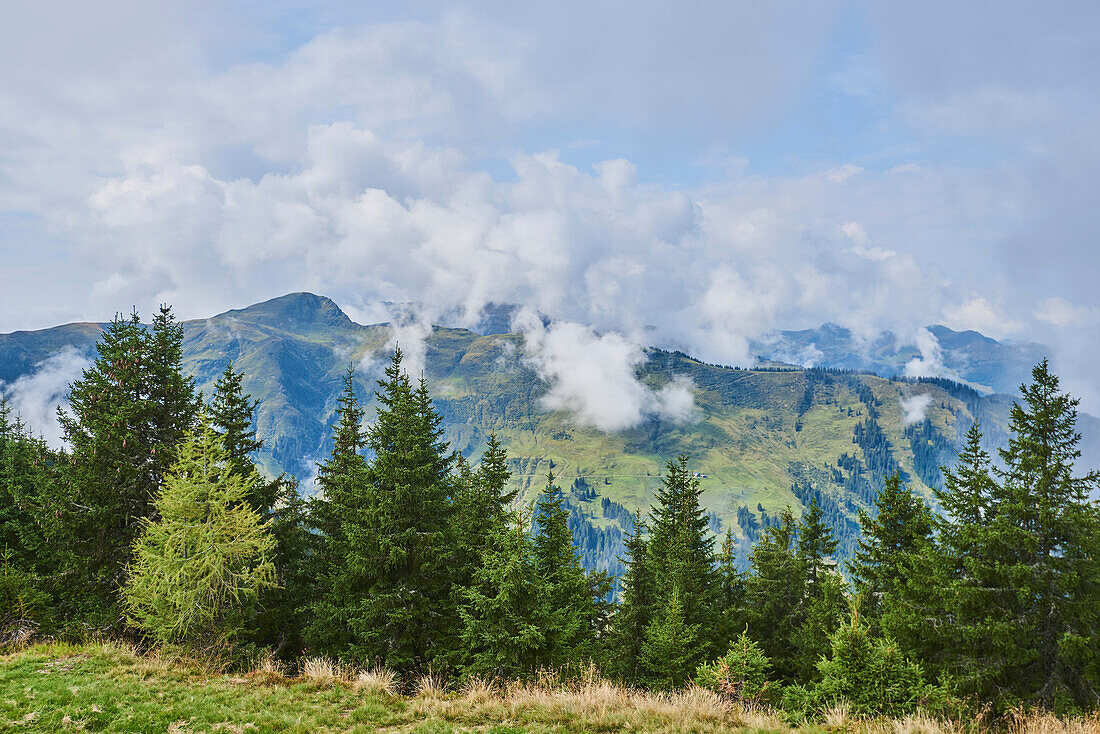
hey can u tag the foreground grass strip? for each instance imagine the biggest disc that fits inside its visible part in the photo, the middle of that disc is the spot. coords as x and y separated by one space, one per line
108 688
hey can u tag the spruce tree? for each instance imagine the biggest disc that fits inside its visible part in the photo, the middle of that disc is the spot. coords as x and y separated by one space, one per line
231 414
206 556
342 484
681 552
564 589
774 593
400 537
731 590
900 526
504 619
636 606
27 479
669 647
171 402
126 414
1045 533
824 601
815 545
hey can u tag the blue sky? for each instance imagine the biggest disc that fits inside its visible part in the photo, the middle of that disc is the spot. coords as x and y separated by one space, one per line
692 175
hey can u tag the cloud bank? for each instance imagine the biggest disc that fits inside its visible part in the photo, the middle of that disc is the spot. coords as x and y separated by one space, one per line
646 177
35 397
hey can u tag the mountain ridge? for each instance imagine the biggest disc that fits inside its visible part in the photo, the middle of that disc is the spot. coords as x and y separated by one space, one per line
765 438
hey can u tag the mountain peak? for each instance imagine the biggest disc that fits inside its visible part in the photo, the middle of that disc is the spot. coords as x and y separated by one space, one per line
297 309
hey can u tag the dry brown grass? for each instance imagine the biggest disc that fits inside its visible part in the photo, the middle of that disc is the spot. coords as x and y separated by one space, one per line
377 680
1043 723
431 685
321 670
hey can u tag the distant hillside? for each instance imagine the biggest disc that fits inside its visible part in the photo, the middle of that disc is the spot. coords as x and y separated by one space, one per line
976 359
764 439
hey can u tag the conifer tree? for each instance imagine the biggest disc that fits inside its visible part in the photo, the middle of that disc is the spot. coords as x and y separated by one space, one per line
171 402
231 414
504 618
25 476
824 602
815 545
127 412
731 592
636 606
670 647
1045 534
900 526
774 593
29 559
481 503
681 551
207 554
565 592
400 538
343 488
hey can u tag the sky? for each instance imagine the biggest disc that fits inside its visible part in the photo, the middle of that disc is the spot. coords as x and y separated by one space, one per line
689 175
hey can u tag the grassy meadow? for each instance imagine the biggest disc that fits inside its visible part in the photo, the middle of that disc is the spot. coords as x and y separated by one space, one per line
111 687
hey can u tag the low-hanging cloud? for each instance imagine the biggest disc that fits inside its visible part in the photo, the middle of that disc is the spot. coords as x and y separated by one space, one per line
915 407
35 397
593 376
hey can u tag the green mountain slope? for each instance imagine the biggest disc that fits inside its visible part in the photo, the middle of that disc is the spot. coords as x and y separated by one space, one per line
764 439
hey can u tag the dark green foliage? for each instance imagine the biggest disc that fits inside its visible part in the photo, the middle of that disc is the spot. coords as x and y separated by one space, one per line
774 593
731 591
231 415
900 526
681 553
1008 599
670 646
871 675
127 413
27 476
742 673
565 593
342 484
504 617
637 595
401 607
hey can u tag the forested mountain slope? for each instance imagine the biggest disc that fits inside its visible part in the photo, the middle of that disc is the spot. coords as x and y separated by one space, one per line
763 439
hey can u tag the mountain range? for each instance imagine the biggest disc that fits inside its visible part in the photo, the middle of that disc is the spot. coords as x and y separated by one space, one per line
761 439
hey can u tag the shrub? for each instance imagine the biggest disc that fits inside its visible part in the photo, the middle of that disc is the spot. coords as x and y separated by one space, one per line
870 676
742 673
24 606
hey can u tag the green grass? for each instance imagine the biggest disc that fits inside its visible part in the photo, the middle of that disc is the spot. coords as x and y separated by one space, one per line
108 688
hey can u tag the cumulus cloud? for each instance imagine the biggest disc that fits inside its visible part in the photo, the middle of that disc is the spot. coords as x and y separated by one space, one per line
499 154
915 407
35 397
593 376
980 315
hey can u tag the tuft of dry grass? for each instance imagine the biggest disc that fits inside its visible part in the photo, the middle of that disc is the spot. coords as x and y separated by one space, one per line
478 689
431 685
377 680
320 670
266 669
1045 723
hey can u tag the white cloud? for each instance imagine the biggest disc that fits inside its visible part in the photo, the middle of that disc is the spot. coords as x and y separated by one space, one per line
35 397
980 315
593 376
915 407
930 361
1060 312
